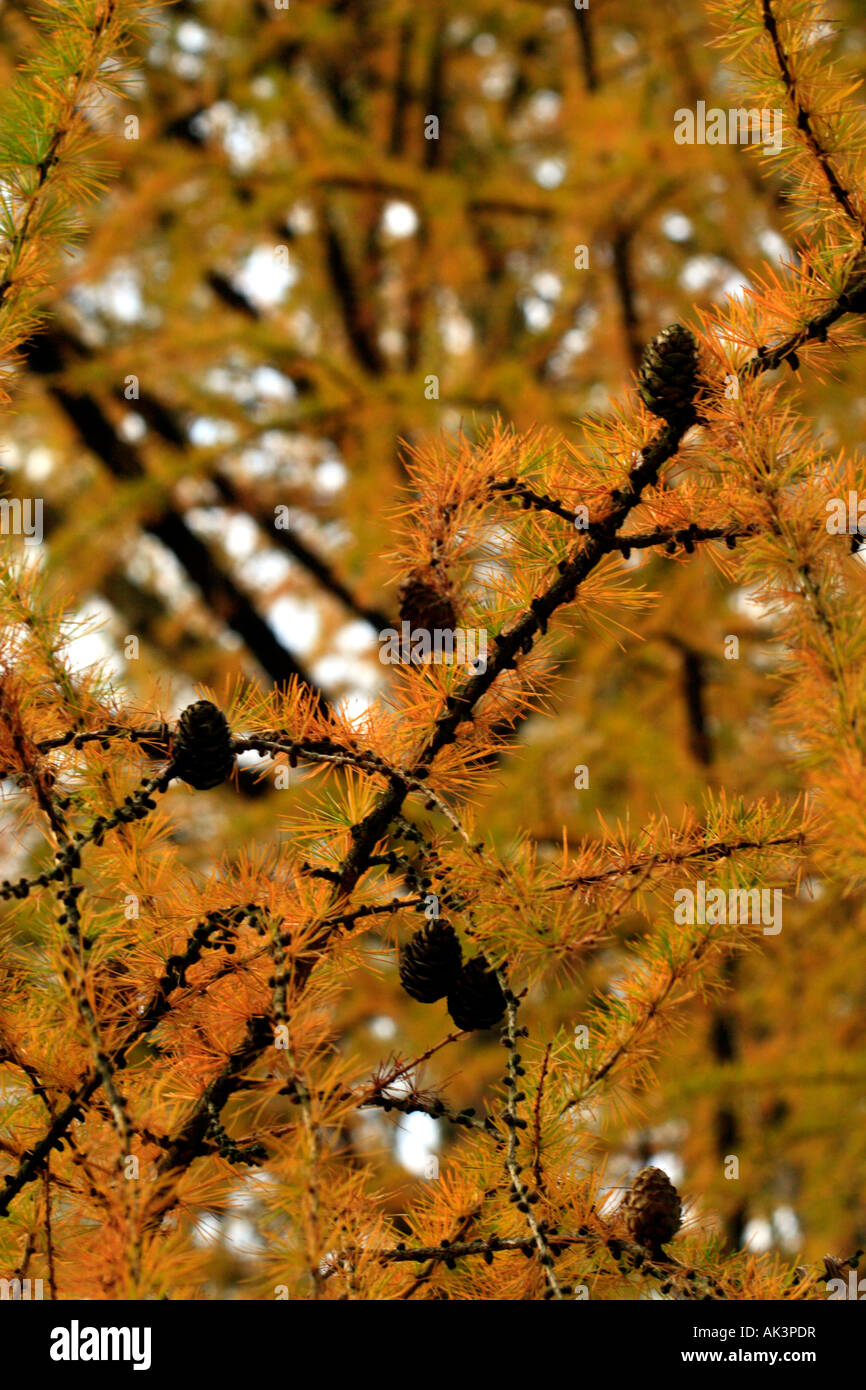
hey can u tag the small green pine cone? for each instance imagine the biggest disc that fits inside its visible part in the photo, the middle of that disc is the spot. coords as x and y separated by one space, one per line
668 376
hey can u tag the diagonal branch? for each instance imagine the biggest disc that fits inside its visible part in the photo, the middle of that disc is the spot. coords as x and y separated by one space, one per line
805 124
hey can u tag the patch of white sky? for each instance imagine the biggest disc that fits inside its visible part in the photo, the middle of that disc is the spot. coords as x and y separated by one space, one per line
781 1230
550 171
180 45
399 220
117 297
544 106
670 1163
240 133
266 276
234 1231
296 621
211 432
250 385
700 272
704 271
87 644
539 302
455 329
418 1140
747 602
383 1027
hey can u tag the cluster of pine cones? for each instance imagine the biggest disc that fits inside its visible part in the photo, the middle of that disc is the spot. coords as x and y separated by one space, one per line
431 967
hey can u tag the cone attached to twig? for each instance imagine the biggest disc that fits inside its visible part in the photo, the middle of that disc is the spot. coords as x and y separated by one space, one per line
202 747
430 962
652 1209
476 999
426 601
668 377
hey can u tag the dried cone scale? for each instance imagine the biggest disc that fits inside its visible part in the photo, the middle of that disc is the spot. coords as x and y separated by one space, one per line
202 746
668 376
652 1210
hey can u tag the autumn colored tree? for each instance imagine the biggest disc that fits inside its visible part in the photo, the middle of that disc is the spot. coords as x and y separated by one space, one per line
432 663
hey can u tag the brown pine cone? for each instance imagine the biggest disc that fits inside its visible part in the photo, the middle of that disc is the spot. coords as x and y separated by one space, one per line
202 747
430 962
652 1209
668 376
426 602
476 1000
